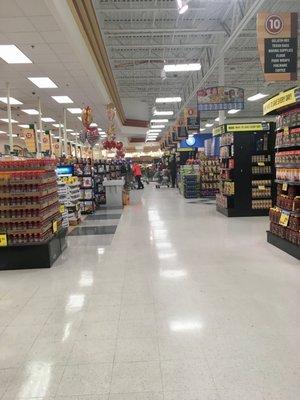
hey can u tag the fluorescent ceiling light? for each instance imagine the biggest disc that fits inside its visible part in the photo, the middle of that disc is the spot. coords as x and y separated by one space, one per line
182 67
168 100
56 137
209 125
62 99
202 129
217 119
31 111
12 100
13 121
2 132
182 8
158 113
158 126
69 130
24 126
79 118
75 110
153 121
43 82
154 131
48 119
57 125
233 111
12 55
73 133
257 96
13 135
93 124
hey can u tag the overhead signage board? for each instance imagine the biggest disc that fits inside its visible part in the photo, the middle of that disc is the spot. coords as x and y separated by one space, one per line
277 38
220 98
281 100
192 119
251 127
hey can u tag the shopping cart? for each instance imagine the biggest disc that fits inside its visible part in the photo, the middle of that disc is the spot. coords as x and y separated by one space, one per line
161 178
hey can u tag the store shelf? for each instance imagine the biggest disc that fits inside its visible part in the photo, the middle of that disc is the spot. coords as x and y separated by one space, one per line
292 183
287 165
287 146
284 245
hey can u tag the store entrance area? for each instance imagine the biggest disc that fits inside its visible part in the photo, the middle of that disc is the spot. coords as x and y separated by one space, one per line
179 304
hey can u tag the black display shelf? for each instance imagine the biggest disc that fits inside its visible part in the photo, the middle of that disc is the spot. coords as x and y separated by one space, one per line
284 245
37 255
246 145
292 183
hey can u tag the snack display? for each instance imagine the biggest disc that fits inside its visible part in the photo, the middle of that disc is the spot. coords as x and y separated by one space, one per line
209 177
29 207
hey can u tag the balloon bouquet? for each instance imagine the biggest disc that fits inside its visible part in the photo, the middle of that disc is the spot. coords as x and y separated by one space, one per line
110 143
89 133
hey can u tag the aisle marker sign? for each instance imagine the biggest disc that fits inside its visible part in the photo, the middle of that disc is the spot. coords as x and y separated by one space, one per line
277 45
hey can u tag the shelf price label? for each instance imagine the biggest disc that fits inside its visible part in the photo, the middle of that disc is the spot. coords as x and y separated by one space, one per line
54 226
284 218
261 187
3 240
261 164
284 187
62 208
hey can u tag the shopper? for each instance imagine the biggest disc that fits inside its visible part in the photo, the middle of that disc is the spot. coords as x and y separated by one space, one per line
138 175
173 169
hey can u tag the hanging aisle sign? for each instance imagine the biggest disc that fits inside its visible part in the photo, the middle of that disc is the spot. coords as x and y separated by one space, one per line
220 98
192 119
281 100
29 136
277 45
46 146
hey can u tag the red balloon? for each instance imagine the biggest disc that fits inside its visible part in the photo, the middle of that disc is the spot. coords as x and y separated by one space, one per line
119 145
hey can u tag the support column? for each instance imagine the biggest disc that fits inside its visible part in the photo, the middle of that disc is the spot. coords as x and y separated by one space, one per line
222 80
10 133
65 133
59 139
40 135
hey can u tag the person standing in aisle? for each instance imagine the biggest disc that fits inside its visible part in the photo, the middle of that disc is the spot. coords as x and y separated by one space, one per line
138 175
173 169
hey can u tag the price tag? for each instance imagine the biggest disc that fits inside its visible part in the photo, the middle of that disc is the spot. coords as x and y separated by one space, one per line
284 187
3 240
286 130
261 164
54 226
284 218
261 187
62 208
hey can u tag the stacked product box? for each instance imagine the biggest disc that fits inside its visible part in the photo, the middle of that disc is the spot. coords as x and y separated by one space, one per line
62 195
71 199
29 206
209 177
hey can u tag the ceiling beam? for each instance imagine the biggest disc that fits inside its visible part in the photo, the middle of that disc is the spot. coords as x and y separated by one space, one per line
161 46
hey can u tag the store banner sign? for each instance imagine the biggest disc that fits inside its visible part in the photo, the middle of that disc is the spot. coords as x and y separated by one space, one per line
29 136
46 143
281 100
220 98
277 37
247 127
192 119
56 149
219 130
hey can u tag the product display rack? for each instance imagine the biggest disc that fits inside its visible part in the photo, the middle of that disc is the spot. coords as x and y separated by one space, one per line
105 170
246 169
30 219
189 185
284 230
209 177
84 171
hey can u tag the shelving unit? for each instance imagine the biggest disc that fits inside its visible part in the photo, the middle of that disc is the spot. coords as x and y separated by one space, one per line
31 235
284 230
246 169
105 170
209 177
84 171
189 182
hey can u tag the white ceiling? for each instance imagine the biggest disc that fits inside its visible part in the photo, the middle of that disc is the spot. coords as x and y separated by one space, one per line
30 25
141 34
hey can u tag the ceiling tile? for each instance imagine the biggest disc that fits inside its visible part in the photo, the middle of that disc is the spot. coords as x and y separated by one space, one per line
24 37
32 7
17 24
54 37
61 48
43 24
9 8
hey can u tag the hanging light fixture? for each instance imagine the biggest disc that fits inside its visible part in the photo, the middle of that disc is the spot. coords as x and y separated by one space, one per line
181 6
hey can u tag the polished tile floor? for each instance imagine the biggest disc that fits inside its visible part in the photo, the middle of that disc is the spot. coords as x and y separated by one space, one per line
180 303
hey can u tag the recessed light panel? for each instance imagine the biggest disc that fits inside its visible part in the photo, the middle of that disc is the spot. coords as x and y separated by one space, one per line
6 120
12 55
12 101
43 82
75 110
46 119
62 99
31 111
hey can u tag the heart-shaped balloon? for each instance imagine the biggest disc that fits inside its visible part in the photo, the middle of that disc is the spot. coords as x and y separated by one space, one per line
93 136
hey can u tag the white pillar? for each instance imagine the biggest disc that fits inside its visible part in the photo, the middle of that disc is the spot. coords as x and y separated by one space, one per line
40 135
65 133
10 133
222 81
59 139
76 145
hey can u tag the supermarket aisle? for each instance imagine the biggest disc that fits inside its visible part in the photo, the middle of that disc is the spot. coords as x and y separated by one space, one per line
184 304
